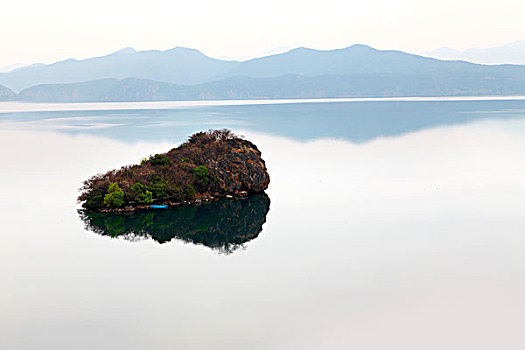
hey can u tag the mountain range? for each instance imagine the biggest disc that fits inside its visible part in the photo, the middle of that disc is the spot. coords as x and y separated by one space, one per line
6 94
187 74
10 67
513 53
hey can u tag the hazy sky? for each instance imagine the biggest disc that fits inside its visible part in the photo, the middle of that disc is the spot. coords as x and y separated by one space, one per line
46 31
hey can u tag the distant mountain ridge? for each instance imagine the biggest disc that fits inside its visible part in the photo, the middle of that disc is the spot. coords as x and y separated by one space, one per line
181 73
6 94
178 65
513 53
285 86
11 67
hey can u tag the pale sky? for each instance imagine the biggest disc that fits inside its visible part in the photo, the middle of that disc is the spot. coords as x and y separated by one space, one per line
46 31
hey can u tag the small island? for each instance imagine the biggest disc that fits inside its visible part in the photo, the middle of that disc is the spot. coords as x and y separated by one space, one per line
210 165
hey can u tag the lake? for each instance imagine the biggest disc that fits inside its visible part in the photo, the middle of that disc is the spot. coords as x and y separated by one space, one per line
388 224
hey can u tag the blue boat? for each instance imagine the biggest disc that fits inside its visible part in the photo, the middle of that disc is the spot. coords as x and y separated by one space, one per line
154 206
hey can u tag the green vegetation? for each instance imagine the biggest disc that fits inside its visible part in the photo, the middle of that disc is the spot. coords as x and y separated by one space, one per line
159 188
159 159
115 196
142 194
95 200
202 173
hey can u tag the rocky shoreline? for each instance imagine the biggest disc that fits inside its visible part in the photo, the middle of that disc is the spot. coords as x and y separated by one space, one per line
200 200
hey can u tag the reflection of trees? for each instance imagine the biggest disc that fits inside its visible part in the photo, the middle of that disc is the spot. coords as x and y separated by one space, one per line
223 224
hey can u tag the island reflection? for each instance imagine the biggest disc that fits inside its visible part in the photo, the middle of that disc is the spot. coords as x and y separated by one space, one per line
222 225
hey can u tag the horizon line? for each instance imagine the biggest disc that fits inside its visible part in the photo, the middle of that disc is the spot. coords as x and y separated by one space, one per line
18 106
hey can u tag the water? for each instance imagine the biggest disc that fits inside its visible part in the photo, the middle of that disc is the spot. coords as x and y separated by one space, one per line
388 224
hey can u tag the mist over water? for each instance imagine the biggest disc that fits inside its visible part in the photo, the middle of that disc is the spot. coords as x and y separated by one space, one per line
391 225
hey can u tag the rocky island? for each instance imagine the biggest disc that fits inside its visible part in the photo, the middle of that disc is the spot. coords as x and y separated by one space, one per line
211 164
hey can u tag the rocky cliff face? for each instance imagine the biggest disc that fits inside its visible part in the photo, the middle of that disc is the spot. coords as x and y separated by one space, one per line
210 164
238 169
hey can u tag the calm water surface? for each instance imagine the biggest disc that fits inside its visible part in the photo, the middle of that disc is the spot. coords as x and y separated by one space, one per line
388 225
